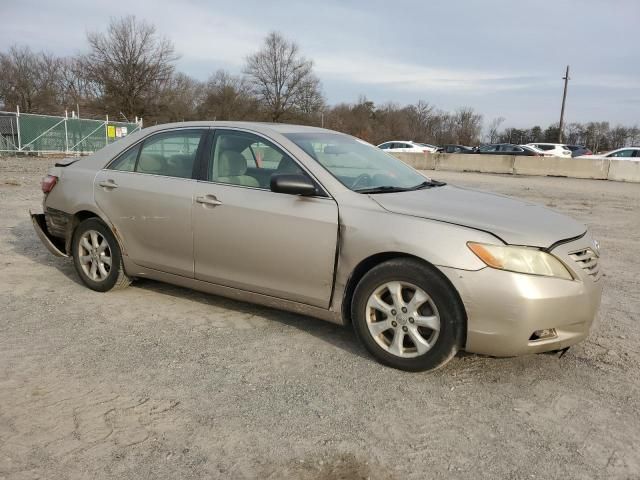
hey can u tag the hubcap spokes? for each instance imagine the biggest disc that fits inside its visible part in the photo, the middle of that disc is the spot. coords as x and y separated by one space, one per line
95 255
402 319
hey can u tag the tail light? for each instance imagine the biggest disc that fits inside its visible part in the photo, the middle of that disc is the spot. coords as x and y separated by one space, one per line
48 183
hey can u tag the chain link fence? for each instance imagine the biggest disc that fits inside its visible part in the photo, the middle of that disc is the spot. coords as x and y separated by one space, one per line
31 133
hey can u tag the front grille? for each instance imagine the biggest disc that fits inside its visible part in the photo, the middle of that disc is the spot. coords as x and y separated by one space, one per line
587 259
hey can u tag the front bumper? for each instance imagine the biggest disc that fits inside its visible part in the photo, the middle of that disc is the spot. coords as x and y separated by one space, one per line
504 309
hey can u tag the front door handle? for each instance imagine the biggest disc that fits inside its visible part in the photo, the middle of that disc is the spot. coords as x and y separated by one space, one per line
208 200
109 184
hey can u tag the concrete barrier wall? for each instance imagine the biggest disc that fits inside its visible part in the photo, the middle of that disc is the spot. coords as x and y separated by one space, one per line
465 162
562 167
419 161
596 168
624 170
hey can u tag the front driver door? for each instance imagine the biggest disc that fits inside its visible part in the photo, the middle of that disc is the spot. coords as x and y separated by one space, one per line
248 237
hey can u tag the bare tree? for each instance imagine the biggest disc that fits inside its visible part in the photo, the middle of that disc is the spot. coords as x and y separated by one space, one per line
420 121
130 63
467 126
178 100
29 80
228 97
282 79
493 131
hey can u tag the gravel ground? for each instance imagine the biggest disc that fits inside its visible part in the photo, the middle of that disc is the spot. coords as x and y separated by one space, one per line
160 382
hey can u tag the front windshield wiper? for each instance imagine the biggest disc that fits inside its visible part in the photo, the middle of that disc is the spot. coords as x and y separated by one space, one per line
392 189
382 189
427 184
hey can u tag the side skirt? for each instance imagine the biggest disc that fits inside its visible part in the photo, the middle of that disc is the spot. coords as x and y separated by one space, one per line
135 270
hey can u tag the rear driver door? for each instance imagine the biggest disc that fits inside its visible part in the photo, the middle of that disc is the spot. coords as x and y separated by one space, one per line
147 194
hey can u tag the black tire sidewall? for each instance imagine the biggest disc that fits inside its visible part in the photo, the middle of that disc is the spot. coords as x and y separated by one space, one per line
116 257
440 291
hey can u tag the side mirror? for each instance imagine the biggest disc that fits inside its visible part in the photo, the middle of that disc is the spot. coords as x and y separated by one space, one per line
292 184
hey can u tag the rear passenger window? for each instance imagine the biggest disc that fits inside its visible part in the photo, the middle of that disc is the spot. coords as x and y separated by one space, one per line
171 154
127 161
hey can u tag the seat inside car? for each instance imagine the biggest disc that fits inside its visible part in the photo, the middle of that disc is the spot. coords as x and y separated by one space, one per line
151 163
232 168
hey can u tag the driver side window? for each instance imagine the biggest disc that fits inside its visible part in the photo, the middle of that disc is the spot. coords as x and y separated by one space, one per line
245 159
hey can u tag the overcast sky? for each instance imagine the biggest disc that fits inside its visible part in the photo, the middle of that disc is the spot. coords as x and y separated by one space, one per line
503 58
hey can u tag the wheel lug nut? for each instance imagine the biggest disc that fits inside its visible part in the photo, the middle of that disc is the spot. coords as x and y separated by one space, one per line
404 329
411 320
404 310
394 323
393 312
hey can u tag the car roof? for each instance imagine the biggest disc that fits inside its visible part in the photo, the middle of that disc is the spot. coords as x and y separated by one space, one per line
624 148
547 143
264 127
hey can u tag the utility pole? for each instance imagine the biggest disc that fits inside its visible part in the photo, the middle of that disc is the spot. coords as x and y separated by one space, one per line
564 99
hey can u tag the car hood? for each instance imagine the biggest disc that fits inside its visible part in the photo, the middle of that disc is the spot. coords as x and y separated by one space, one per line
514 221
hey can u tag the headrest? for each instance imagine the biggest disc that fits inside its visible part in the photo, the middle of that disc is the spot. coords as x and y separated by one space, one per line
231 164
151 163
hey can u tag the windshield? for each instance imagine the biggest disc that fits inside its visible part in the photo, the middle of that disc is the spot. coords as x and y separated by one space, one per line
359 165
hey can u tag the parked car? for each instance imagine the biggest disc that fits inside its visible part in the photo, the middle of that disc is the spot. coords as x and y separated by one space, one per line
554 149
579 150
324 224
624 153
456 149
407 146
432 148
509 149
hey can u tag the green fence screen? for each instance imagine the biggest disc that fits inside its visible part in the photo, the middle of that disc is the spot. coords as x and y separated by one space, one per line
27 132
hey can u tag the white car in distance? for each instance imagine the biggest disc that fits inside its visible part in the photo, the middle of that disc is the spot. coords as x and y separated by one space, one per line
552 149
407 146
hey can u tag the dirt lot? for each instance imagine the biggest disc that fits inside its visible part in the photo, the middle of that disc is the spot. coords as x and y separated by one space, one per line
160 382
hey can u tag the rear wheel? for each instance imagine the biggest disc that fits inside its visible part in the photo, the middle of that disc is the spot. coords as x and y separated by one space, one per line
97 257
407 316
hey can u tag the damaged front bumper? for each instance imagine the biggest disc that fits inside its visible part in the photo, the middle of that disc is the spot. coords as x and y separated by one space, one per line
54 244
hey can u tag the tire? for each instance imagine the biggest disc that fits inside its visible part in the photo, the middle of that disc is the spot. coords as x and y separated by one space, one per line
419 338
88 249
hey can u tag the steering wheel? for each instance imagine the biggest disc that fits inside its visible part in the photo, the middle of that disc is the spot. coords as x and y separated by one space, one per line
360 179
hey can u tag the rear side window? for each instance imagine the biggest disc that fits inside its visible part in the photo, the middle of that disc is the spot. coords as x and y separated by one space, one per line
127 161
623 153
489 148
171 154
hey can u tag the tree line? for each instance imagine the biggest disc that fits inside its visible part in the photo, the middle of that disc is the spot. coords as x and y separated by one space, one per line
129 70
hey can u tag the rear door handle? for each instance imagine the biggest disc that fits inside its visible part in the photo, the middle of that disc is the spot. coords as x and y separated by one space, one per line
110 184
208 200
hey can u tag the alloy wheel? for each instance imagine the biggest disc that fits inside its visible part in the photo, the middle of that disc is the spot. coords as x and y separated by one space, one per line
95 256
402 319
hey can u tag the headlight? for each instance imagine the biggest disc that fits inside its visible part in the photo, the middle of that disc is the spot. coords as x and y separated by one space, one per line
520 259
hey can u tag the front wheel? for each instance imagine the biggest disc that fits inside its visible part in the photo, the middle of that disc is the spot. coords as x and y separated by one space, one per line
97 257
407 316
